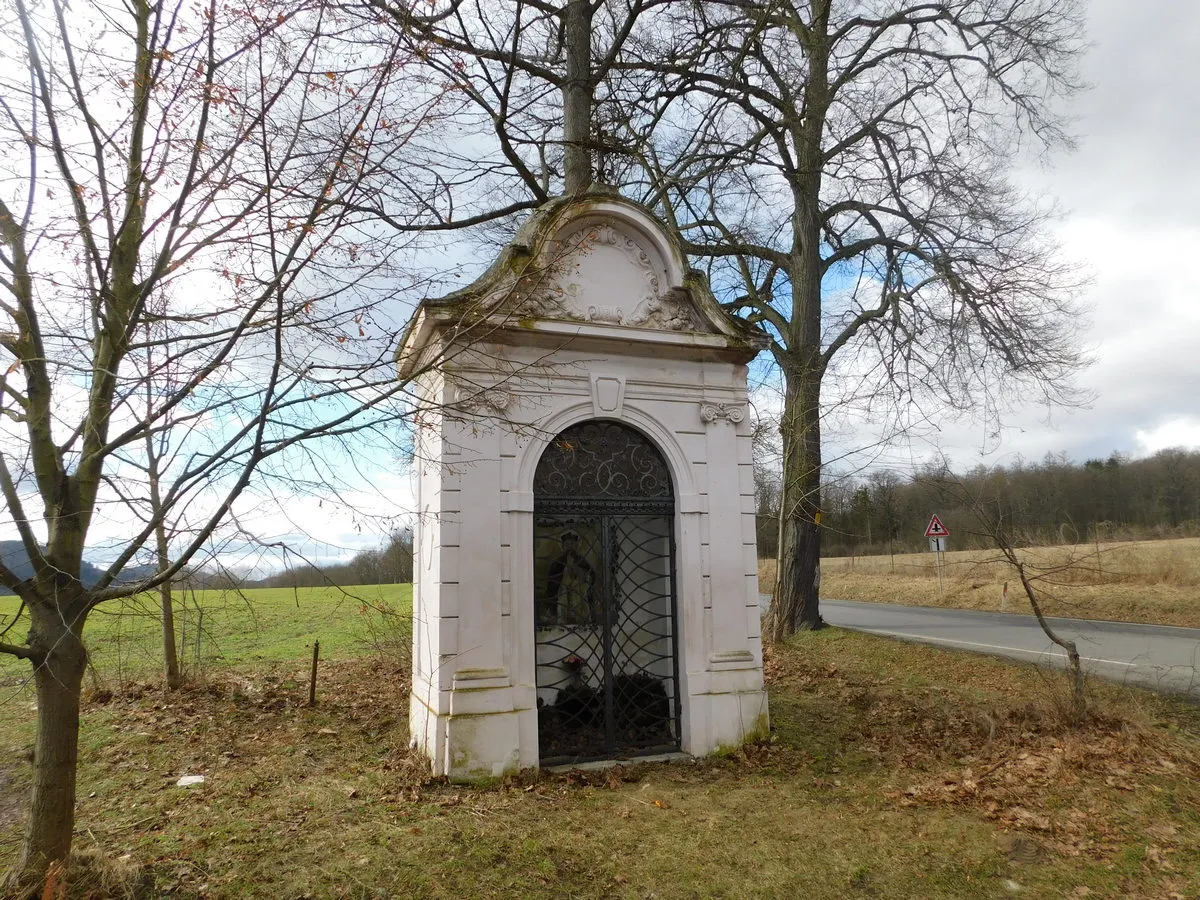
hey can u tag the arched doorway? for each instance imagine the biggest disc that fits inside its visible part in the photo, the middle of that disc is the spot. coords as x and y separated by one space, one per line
604 577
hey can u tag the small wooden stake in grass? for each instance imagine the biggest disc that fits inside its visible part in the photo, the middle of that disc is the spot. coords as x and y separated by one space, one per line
312 681
199 630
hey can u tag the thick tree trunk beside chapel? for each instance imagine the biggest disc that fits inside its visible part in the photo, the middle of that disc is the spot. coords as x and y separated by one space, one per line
797 601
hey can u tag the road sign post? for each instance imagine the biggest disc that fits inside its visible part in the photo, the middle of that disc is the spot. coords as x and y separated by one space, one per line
937 534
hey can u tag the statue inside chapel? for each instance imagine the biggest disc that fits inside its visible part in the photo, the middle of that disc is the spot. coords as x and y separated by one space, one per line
570 594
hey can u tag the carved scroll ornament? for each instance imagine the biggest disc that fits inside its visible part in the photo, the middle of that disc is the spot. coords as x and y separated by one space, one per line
733 413
560 295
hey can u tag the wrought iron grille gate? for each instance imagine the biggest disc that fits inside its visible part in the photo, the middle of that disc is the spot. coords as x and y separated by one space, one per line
604 578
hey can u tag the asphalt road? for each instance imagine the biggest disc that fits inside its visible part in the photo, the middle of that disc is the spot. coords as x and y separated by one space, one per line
1162 657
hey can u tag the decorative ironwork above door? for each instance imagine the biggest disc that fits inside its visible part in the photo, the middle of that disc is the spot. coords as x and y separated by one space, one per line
600 465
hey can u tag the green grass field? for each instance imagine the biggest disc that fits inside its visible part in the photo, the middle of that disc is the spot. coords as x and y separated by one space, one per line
893 770
229 628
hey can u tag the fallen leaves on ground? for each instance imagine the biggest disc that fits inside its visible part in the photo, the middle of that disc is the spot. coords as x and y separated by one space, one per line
1012 759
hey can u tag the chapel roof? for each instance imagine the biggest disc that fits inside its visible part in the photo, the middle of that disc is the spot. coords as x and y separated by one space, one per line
594 264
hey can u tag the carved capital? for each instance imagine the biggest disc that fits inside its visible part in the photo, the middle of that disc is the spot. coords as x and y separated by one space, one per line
733 413
487 401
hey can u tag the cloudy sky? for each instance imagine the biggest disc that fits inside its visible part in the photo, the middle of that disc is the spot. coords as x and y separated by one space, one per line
1131 192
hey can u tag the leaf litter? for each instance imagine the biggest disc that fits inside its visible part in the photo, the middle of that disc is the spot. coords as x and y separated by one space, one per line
875 736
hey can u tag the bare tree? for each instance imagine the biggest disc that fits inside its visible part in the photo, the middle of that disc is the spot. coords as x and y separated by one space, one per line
997 530
1078 708
843 167
539 75
194 299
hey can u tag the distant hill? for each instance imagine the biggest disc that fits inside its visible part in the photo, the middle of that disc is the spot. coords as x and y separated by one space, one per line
13 555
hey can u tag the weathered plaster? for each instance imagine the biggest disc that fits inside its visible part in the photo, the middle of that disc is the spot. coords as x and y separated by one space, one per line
614 327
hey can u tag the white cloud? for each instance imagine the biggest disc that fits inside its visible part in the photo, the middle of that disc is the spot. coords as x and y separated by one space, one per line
1180 431
1132 192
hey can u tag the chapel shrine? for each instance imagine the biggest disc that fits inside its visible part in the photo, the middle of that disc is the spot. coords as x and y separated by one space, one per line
585 585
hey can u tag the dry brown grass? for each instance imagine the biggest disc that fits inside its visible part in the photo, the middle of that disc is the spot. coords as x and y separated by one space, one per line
893 771
1145 581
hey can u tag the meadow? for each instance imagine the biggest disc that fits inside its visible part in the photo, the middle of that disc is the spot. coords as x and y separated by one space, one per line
893 770
1136 581
216 628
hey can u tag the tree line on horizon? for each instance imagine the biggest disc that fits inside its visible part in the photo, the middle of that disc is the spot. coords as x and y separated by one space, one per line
391 563
1056 501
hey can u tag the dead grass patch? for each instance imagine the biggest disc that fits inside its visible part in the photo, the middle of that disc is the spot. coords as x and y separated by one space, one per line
893 770
1156 582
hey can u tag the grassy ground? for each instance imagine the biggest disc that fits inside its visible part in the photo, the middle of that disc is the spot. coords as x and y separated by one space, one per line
215 627
894 771
1144 581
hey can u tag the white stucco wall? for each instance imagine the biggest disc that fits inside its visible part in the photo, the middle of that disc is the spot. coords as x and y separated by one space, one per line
492 411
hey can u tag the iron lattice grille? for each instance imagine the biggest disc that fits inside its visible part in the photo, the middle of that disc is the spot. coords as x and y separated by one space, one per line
602 465
605 599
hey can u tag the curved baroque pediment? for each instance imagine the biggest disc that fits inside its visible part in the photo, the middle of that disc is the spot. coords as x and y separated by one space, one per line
600 270
596 259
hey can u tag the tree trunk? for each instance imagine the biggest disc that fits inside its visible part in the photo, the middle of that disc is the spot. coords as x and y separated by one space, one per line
797 598
797 601
167 603
58 679
170 655
161 547
577 96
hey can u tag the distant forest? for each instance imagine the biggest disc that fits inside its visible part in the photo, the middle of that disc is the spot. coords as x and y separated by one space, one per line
392 563
1053 502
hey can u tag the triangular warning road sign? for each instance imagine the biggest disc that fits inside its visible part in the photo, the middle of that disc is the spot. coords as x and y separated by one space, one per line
936 528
